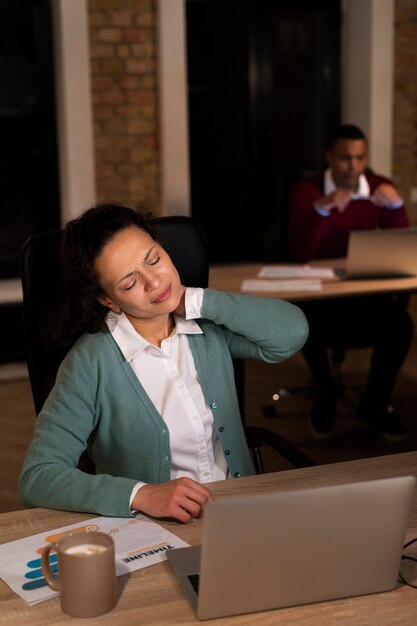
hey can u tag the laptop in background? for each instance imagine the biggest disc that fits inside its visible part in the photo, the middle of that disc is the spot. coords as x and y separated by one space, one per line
267 551
385 253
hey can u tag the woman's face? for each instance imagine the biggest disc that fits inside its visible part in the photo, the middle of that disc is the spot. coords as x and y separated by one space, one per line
137 275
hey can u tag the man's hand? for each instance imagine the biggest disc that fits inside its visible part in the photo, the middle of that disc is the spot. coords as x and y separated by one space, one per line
339 200
385 194
182 499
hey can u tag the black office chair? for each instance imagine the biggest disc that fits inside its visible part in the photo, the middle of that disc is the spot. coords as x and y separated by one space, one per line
185 241
337 353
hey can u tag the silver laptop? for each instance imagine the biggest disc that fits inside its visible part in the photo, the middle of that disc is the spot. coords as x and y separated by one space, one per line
267 551
383 253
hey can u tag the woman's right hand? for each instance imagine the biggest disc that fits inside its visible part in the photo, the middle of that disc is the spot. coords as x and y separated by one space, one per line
182 499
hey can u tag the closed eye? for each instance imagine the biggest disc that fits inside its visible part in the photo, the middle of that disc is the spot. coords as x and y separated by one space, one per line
155 261
132 285
150 263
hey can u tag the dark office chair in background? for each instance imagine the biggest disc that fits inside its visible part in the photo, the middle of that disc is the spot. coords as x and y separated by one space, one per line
185 241
337 353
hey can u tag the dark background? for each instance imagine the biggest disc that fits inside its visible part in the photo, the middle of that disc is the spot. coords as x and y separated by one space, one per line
29 196
263 93
29 200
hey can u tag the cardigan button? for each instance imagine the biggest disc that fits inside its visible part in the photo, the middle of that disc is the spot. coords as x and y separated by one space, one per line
221 429
236 474
227 452
214 405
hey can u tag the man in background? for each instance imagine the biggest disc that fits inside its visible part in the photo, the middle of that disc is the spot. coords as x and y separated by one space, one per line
323 210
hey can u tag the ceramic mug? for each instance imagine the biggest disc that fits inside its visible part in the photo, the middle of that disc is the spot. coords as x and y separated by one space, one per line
87 573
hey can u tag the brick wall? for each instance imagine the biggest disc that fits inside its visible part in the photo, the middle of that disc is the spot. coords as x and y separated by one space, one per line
124 93
405 101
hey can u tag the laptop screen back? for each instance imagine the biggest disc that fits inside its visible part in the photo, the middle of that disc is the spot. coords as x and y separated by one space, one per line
281 549
382 253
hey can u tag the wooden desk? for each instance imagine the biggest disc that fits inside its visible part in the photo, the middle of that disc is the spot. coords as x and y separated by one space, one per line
229 277
152 595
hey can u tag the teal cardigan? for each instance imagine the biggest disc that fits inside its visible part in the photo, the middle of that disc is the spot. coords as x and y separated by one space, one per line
98 403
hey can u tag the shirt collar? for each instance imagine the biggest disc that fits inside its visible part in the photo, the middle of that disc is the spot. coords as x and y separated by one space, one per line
330 186
131 342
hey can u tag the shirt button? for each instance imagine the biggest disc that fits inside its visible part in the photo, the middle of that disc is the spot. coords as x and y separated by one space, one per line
214 405
221 429
236 474
195 417
202 447
181 387
227 452
205 473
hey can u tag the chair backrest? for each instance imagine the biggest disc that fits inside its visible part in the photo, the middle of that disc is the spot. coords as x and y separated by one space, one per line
182 237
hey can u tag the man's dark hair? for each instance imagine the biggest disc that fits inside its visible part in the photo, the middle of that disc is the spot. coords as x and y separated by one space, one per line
344 131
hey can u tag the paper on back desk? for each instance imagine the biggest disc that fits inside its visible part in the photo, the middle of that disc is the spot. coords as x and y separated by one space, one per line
295 271
269 285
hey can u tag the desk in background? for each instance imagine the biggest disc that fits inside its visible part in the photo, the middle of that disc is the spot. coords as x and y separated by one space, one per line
229 277
153 596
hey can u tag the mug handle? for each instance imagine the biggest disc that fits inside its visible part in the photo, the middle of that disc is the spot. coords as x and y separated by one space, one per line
46 568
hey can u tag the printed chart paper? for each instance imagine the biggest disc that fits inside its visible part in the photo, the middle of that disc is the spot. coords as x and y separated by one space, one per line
139 542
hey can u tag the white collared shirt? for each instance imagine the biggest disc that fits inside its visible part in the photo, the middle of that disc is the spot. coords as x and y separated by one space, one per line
169 377
363 190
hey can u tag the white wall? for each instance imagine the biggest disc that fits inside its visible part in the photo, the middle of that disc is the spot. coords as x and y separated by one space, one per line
368 74
74 111
173 110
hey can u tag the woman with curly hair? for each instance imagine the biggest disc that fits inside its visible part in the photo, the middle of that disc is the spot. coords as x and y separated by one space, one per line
148 386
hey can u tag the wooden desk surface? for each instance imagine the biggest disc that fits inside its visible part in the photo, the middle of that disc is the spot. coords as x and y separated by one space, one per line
152 596
229 277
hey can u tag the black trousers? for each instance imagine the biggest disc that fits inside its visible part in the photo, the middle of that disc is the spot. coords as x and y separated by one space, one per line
378 321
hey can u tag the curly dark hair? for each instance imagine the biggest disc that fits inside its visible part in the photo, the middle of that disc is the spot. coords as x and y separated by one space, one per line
83 239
